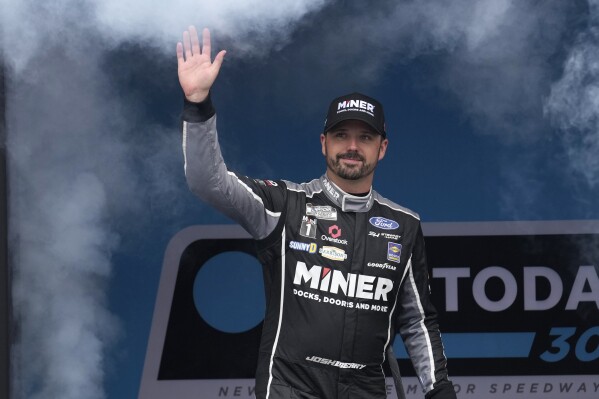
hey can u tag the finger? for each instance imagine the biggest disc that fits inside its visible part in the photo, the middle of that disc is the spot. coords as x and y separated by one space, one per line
195 42
206 48
180 59
187 45
218 60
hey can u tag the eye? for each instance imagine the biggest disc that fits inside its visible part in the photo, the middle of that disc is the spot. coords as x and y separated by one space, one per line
367 137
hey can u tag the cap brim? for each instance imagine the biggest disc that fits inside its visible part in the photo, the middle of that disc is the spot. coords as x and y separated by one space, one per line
355 118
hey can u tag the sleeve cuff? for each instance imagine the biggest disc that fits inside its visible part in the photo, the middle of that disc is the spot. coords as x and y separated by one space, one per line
443 390
198 112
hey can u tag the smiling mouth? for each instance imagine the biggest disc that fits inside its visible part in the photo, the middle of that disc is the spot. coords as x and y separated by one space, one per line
351 161
352 158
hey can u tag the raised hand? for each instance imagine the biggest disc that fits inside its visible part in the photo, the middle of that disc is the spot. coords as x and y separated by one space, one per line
196 70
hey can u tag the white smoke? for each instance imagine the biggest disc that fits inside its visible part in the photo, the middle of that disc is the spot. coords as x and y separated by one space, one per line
493 55
74 172
70 176
573 104
254 26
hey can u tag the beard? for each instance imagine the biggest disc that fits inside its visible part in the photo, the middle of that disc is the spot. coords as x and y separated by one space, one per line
350 172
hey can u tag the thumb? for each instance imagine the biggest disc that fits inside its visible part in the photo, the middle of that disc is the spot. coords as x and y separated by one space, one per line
218 60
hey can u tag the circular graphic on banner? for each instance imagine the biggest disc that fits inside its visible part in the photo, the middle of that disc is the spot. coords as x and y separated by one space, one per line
228 292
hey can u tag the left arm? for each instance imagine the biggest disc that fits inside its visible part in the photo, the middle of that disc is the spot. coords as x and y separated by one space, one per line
417 324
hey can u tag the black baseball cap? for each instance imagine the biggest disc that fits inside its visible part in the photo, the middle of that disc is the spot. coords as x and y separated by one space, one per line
356 106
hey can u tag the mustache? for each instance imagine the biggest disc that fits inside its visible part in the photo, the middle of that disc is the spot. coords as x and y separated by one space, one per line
350 155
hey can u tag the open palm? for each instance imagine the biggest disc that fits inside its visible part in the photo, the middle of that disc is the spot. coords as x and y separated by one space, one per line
196 70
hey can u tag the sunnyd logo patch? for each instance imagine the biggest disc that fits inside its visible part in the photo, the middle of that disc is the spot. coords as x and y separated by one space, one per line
321 212
303 246
383 223
332 253
394 252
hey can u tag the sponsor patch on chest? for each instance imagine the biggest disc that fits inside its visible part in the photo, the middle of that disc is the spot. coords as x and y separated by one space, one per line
332 253
394 252
303 246
325 212
383 223
387 236
308 227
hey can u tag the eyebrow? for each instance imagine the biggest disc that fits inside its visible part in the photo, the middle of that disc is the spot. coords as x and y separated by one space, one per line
362 131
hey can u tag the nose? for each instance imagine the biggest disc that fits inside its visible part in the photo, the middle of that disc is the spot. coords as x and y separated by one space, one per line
352 143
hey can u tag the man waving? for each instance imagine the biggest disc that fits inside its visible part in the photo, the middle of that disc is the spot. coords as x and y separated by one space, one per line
345 268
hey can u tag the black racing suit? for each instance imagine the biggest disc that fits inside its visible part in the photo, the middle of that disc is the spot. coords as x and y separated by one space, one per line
341 272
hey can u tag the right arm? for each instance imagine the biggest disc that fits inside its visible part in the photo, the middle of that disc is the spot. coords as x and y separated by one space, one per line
254 206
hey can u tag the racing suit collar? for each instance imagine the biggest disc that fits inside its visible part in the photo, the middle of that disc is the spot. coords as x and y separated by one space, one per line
347 202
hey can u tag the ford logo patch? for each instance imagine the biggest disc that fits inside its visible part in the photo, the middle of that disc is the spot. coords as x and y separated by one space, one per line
382 223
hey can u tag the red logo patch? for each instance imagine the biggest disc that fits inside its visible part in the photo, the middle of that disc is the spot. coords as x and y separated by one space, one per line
334 231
